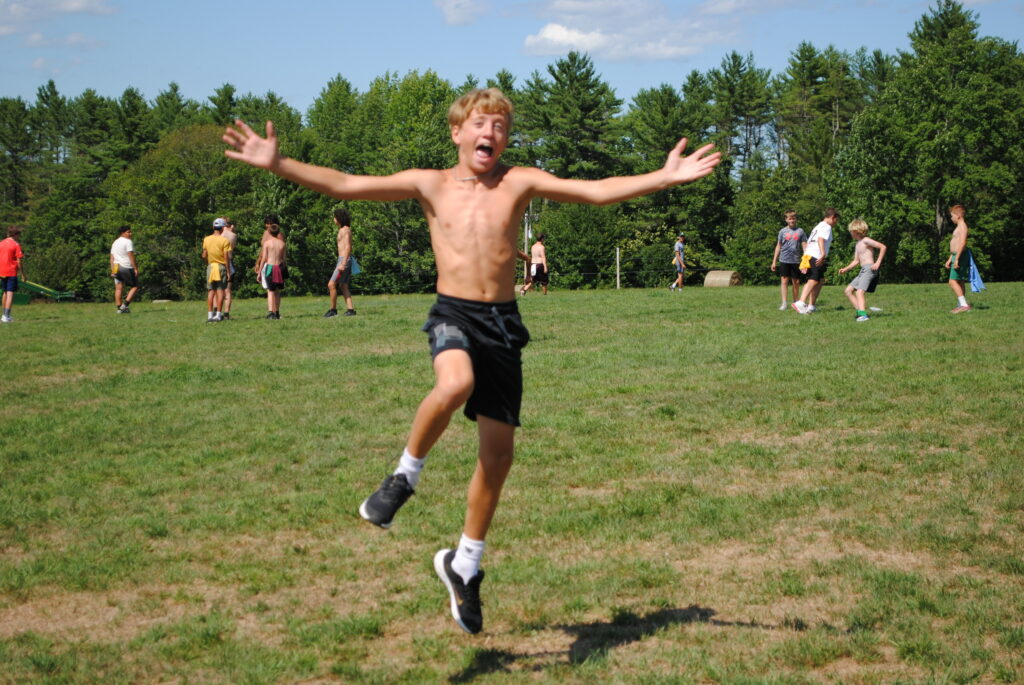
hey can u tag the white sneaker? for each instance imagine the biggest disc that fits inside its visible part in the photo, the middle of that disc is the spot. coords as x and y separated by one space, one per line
6 319
783 307
800 307
811 309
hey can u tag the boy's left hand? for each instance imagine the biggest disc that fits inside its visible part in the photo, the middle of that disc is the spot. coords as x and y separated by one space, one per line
696 165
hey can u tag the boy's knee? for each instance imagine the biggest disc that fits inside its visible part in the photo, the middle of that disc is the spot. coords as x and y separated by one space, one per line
453 391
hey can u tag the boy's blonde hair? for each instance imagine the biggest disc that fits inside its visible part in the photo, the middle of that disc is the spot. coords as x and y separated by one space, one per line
957 209
484 100
859 227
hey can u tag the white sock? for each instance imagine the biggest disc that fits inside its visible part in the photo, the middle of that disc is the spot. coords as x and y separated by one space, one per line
411 467
467 557
209 315
962 301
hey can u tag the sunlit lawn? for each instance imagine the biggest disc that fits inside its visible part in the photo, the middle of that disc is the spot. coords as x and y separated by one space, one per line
706 490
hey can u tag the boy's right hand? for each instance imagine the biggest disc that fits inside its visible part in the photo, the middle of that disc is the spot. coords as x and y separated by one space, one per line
250 147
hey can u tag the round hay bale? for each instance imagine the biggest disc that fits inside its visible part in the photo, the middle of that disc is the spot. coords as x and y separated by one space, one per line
722 279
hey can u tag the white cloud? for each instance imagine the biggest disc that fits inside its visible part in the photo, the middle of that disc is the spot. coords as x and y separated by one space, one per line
40 64
72 40
461 12
621 30
22 16
746 7
557 39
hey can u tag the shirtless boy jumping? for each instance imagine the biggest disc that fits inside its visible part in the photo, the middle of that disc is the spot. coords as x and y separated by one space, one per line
473 211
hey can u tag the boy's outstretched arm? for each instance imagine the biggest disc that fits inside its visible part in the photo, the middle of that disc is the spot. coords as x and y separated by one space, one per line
677 170
251 148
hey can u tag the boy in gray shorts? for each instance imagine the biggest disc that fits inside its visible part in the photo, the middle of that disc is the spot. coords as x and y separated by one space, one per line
868 275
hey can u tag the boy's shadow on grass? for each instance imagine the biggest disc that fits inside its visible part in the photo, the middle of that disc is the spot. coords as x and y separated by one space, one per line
598 638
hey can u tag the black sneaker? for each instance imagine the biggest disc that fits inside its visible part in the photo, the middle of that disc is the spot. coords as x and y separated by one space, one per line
225 316
350 312
465 597
380 507
330 313
123 309
270 315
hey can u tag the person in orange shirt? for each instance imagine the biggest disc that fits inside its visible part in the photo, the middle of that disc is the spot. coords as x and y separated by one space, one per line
10 268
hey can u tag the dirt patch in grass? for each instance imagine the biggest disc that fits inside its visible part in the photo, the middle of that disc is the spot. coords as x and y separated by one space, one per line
121 615
124 613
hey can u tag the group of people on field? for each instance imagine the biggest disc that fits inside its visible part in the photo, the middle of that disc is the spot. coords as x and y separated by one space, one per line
474 330
802 259
218 250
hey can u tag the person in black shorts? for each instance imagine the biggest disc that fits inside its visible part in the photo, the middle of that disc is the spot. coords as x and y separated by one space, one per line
493 335
537 267
473 211
789 247
816 259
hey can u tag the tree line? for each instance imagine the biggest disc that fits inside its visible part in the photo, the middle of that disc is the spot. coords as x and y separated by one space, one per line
894 139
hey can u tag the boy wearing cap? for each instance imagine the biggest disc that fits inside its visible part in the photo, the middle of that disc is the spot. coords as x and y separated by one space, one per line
217 253
124 269
476 335
10 268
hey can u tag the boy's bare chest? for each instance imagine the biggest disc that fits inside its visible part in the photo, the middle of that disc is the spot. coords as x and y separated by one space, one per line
476 210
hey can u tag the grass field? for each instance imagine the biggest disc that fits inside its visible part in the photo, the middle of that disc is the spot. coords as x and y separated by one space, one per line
706 490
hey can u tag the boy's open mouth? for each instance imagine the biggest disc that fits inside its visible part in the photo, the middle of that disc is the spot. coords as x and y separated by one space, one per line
485 150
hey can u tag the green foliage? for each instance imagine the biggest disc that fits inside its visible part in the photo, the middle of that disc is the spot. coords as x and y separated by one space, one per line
946 130
894 139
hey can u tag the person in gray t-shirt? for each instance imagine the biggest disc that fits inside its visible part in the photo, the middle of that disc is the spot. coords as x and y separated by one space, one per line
789 247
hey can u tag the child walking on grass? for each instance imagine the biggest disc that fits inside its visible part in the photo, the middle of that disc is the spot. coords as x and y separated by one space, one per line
476 336
867 278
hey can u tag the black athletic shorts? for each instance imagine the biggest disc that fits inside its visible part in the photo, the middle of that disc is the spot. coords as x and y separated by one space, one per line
127 276
817 273
788 270
493 335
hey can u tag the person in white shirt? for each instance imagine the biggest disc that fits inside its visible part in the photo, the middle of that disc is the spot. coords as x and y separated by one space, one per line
124 269
816 257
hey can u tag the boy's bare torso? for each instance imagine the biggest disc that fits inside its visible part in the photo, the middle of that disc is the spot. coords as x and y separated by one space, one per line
474 224
865 257
273 251
959 238
344 241
537 254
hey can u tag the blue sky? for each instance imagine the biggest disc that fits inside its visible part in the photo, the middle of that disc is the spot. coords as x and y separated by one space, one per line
295 47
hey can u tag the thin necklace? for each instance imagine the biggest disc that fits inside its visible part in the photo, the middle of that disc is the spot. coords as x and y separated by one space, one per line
468 178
